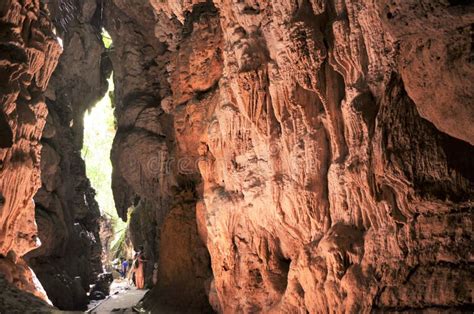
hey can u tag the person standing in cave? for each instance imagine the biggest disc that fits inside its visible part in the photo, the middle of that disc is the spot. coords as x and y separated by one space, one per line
124 267
140 270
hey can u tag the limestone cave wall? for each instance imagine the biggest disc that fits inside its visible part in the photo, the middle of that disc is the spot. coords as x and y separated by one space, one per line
325 148
41 132
284 156
145 177
29 53
68 216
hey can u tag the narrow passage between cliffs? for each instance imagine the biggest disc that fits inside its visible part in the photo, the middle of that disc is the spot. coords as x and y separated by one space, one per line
119 286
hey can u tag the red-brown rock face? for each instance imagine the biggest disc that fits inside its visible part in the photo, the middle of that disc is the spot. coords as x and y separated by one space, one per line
320 150
28 55
69 259
323 188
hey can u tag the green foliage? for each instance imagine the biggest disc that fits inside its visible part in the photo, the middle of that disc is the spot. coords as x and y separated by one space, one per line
99 131
121 245
106 39
117 247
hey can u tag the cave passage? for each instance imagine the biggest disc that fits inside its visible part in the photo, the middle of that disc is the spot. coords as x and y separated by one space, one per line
100 128
99 131
264 156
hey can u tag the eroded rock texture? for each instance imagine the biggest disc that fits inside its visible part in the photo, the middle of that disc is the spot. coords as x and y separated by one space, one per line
143 156
320 150
14 299
69 259
29 53
327 145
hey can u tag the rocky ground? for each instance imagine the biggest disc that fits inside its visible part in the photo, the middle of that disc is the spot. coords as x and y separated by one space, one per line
123 298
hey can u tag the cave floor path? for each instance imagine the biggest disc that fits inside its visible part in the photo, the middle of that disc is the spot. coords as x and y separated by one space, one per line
122 298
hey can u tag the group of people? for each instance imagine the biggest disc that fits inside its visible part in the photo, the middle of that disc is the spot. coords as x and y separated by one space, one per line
134 270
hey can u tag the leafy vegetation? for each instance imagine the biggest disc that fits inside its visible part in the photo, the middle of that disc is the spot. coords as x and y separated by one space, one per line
99 131
106 39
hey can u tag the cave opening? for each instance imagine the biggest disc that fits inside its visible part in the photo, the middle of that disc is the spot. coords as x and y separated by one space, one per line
99 130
